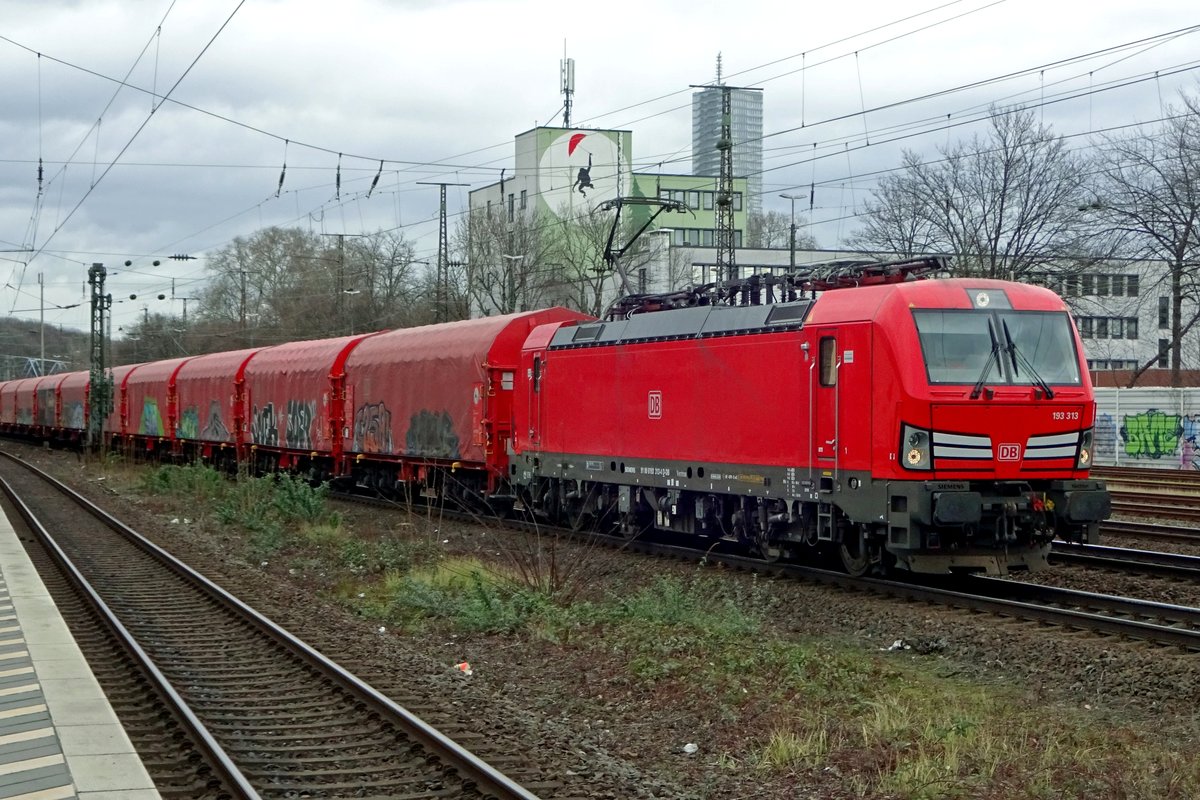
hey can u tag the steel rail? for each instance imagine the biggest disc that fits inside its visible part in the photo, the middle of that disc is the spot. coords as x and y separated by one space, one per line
1150 530
228 772
1150 562
487 779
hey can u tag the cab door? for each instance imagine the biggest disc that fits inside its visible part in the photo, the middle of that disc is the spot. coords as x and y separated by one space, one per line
826 400
535 375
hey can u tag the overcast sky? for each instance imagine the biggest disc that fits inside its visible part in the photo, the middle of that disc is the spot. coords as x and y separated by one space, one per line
438 90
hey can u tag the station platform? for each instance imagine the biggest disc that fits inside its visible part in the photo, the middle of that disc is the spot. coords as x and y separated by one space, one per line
59 737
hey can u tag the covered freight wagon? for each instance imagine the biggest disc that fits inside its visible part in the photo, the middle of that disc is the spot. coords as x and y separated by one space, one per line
437 395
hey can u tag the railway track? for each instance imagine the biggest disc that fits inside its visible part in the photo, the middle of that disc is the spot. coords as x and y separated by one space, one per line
1152 481
262 714
1123 559
1149 621
1151 530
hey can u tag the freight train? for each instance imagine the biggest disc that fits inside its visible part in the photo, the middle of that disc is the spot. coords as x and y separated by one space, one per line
925 424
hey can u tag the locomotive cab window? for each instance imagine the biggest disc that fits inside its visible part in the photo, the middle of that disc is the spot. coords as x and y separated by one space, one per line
828 361
537 373
1005 347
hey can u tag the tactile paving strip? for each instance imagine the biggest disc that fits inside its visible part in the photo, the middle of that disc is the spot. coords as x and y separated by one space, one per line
32 766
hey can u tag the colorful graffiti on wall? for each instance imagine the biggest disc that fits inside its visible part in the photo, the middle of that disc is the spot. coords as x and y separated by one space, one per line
1158 438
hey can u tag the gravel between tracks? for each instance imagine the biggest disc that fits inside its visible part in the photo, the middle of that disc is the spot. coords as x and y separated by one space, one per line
580 715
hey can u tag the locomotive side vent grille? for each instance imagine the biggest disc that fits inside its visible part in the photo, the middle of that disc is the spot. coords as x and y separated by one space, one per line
961 446
1056 445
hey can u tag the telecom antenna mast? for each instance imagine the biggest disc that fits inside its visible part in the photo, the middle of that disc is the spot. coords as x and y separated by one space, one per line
566 68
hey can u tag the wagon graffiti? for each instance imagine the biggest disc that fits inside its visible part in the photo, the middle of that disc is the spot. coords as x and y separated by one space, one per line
1151 434
73 415
45 398
300 416
373 428
431 434
151 424
264 427
189 424
215 429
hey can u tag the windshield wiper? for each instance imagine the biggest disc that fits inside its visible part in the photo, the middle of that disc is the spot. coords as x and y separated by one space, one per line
1014 355
993 358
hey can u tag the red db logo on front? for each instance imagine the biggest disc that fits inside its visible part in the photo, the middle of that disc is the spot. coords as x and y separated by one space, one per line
654 405
1008 452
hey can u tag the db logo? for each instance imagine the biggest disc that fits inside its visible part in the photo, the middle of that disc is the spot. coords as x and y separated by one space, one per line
654 405
1008 452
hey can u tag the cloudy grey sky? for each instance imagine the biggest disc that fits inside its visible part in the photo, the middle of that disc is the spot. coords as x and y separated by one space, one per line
437 90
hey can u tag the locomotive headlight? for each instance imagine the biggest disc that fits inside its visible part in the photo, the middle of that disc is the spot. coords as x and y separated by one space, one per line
1084 460
914 447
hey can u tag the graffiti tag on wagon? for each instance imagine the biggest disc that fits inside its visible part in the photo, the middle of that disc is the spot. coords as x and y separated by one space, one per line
300 416
373 428
264 428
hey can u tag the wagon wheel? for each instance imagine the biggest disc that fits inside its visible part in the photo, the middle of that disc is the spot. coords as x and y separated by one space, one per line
855 551
766 549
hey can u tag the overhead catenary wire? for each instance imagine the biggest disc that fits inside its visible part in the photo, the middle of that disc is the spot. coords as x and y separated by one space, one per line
337 193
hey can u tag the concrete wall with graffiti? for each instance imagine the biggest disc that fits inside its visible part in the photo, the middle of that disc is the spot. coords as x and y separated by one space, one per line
1158 428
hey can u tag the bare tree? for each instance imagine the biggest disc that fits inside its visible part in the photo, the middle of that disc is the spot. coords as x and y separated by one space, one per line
1149 189
510 264
384 269
774 230
1002 205
273 285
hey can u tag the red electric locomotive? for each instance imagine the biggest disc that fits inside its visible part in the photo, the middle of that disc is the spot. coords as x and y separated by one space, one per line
933 425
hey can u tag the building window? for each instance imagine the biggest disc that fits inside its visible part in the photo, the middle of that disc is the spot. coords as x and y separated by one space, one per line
1131 285
1107 327
511 207
1088 285
643 284
737 201
1164 348
707 237
1071 286
1164 312
1102 286
524 197
737 238
707 200
693 200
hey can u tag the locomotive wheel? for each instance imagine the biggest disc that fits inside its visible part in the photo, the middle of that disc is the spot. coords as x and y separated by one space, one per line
855 553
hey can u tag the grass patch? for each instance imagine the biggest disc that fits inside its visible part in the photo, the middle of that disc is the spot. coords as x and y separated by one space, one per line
778 705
